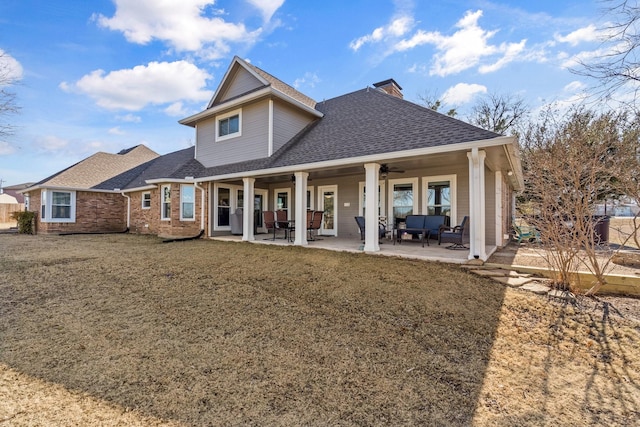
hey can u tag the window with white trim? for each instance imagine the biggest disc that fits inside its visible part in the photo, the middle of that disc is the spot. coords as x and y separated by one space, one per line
187 202
58 206
229 125
439 196
146 200
362 198
165 209
403 199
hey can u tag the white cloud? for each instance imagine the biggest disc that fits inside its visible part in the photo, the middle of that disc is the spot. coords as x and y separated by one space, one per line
267 7
511 52
155 83
116 131
462 93
309 80
575 86
586 34
129 118
176 110
10 69
6 148
51 143
463 49
397 27
587 56
185 25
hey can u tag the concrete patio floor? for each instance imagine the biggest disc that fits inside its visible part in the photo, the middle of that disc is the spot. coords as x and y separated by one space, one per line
413 250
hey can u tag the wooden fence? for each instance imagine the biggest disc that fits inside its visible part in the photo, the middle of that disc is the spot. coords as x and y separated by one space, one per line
6 209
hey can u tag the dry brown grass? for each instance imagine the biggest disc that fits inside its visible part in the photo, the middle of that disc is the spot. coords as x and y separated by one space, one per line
124 330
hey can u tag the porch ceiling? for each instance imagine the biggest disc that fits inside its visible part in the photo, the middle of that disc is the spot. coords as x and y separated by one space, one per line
496 159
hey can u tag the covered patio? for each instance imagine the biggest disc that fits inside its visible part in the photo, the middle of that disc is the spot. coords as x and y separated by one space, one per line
411 250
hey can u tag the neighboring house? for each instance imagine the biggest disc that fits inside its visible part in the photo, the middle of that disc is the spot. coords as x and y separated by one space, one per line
262 144
86 197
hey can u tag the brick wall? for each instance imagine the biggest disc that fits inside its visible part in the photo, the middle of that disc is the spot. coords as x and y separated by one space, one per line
95 213
147 221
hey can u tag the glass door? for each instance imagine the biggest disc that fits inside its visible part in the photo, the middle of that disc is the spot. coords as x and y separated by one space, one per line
328 203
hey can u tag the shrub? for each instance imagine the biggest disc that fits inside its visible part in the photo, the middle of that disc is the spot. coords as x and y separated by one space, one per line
26 221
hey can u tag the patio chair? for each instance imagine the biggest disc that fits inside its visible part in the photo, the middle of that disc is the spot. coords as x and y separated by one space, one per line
269 219
315 225
457 236
527 233
382 231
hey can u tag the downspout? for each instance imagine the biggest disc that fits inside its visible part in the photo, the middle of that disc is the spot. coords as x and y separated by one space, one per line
128 209
202 194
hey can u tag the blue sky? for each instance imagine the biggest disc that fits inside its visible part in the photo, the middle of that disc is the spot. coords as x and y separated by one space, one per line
104 75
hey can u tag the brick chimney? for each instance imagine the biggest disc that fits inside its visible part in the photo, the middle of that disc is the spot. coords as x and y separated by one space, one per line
389 86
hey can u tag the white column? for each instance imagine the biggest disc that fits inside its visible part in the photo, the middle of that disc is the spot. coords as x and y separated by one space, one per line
499 209
301 209
371 242
247 212
477 205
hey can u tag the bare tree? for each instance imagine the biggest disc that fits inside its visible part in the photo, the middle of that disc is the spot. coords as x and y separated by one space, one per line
8 105
571 166
619 65
499 113
433 102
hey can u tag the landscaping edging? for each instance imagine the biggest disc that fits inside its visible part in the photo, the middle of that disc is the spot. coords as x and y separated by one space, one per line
617 284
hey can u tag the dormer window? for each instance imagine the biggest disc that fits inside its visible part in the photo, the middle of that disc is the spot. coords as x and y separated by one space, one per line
229 125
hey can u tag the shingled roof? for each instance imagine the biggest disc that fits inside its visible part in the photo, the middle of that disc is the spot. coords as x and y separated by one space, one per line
163 167
91 172
361 123
281 86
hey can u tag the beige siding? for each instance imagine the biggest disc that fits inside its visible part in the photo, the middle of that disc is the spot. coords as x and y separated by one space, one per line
252 144
287 122
241 83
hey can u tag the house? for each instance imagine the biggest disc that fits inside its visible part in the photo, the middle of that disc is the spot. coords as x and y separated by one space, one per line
86 197
261 143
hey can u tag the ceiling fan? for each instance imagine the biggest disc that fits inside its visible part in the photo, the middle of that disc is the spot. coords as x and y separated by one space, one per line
385 170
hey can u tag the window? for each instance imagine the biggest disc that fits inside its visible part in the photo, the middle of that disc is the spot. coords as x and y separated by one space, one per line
224 196
58 206
229 125
403 199
439 196
363 198
61 205
43 205
165 209
281 198
187 202
146 200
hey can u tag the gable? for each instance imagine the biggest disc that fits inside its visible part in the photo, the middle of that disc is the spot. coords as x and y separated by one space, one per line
238 82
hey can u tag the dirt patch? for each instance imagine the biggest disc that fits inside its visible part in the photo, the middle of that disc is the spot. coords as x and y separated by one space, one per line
201 332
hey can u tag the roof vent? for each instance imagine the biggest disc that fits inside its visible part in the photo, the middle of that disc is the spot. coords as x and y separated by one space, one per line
390 86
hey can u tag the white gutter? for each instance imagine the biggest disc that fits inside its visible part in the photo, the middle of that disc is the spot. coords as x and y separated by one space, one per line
128 209
146 187
58 187
465 146
202 194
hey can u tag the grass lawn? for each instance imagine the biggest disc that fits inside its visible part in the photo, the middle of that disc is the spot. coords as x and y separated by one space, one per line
124 330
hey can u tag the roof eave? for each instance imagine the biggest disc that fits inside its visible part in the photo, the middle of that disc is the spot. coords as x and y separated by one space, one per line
269 90
380 157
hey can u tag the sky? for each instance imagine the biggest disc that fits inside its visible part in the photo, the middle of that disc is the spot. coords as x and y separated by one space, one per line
105 75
